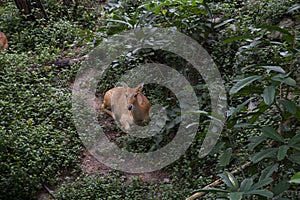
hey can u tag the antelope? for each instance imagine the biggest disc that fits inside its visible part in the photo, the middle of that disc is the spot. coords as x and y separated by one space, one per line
128 105
3 41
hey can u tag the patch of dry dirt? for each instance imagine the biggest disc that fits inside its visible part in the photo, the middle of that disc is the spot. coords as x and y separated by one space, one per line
91 165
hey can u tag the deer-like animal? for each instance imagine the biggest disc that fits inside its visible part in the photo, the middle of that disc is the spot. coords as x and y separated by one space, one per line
3 41
128 105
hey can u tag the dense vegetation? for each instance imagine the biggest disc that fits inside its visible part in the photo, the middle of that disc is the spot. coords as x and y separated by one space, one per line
256 46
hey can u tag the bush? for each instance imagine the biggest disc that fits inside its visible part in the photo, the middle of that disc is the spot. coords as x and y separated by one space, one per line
38 139
259 62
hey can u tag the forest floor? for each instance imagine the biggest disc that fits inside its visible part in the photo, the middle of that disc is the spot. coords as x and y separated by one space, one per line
91 166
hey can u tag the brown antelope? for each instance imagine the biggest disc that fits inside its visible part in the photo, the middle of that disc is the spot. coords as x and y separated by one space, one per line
128 105
3 41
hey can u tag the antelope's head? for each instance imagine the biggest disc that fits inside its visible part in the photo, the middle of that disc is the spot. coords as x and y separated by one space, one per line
131 95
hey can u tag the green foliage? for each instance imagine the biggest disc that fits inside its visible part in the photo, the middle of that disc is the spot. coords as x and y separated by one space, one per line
257 54
296 178
117 186
248 187
38 139
275 69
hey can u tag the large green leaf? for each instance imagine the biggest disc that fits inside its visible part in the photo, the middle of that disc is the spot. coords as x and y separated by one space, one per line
275 28
269 94
288 36
264 193
240 37
263 154
262 108
255 141
295 157
274 68
295 178
289 106
270 132
229 180
282 150
293 8
268 171
242 83
234 111
262 183
246 184
236 195
294 141
281 187
284 79
223 23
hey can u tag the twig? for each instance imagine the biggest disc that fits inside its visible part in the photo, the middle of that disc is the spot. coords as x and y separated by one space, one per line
64 62
217 182
49 191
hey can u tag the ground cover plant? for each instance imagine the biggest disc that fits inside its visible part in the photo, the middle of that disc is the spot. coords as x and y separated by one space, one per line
255 45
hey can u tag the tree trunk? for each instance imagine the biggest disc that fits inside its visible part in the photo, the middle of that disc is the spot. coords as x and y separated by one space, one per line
32 9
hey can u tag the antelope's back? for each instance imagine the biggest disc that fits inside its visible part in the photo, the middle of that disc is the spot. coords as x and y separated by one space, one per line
3 41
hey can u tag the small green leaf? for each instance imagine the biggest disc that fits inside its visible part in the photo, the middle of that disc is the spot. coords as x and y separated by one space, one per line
275 28
264 193
284 79
223 23
262 108
268 171
255 141
282 150
289 81
236 195
234 111
242 83
263 154
194 3
295 157
269 94
270 132
229 180
233 39
289 106
225 157
261 183
294 140
295 178
274 68
293 8
121 22
281 187
246 184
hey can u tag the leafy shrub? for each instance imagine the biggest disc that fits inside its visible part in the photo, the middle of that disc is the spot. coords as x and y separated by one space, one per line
38 139
117 186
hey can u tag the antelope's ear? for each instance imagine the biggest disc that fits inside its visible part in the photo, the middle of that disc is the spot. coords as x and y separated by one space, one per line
140 87
124 85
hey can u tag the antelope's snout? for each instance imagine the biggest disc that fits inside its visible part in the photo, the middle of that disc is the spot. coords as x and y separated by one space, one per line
129 107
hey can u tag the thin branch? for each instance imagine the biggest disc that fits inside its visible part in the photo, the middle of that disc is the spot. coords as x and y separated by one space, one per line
49 191
217 182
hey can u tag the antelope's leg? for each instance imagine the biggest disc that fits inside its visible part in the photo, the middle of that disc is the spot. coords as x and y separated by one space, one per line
107 111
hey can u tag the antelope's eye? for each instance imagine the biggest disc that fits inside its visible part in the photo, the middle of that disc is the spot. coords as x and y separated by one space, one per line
135 95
